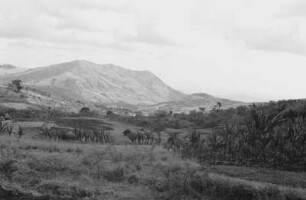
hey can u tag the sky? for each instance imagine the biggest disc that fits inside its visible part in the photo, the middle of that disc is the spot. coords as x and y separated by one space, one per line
238 49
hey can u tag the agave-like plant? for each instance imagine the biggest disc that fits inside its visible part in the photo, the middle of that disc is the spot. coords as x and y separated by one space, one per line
2 127
9 128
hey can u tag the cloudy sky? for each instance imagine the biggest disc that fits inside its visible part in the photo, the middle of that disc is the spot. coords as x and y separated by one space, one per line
233 48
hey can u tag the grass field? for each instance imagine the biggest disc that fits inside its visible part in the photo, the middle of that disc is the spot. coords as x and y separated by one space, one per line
73 170
39 168
285 178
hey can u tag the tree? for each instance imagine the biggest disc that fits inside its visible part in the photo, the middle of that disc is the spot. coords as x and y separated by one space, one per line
202 109
219 105
109 113
15 85
84 110
160 114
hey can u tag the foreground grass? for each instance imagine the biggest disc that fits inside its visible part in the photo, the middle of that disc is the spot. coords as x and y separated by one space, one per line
36 168
88 171
278 177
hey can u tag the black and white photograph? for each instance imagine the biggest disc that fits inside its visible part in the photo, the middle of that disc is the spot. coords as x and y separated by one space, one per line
152 99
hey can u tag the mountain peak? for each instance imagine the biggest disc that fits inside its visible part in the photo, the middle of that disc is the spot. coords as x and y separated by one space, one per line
86 64
77 63
89 64
203 95
80 62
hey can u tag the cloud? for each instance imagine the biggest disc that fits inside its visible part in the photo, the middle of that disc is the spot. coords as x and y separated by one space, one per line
293 8
147 32
266 27
73 23
279 36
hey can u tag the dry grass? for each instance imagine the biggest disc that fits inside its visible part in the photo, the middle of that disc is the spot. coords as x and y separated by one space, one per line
278 177
104 171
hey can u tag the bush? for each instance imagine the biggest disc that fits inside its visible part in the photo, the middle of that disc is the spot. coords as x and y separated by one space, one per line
115 175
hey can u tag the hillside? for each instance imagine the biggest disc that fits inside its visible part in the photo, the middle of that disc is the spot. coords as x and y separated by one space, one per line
110 85
194 102
30 98
90 82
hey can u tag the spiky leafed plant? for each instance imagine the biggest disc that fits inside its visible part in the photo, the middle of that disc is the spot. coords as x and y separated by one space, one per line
19 132
193 145
2 127
9 128
260 124
174 142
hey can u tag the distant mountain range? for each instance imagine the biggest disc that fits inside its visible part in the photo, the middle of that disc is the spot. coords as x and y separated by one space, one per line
9 69
108 84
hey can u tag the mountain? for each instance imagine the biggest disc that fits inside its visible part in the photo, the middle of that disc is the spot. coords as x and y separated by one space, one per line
9 69
106 84
194 102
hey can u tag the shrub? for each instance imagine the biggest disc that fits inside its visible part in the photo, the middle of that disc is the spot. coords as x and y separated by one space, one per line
115 175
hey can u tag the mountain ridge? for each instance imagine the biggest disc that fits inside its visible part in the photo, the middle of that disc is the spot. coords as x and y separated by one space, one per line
106 83
112 85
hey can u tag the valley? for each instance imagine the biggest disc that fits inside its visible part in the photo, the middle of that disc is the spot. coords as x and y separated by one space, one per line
61 139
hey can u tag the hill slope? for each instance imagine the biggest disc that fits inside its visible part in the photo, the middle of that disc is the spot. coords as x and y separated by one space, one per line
87 81
194 102
35 99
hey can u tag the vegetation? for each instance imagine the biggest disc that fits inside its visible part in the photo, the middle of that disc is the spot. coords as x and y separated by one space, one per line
269 135
49 170
77 156
143 136
81 130
15 86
